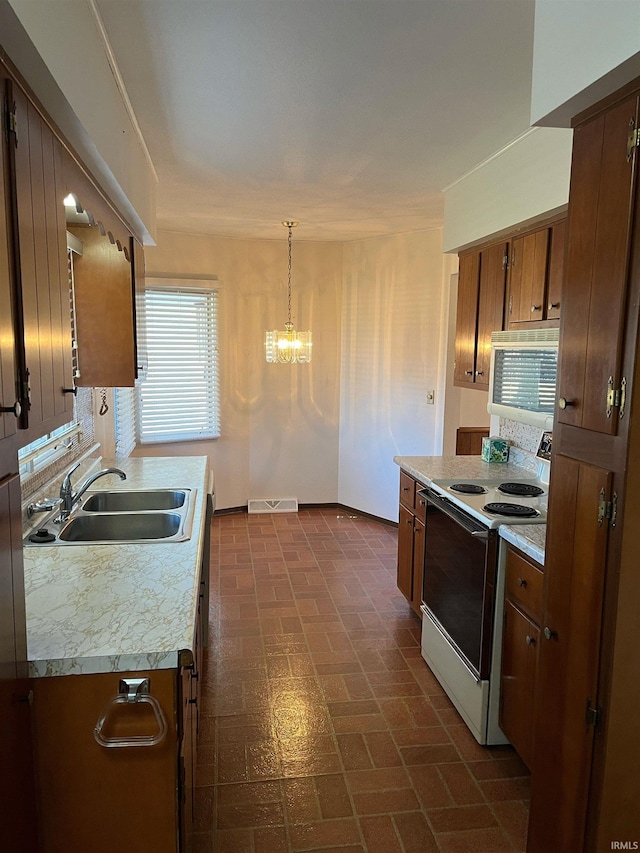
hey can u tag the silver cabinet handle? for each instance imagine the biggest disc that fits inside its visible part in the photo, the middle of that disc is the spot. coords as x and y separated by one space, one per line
553 305
550 634
132 691
522 582
530 641
479 372
536 308
564 403
468 373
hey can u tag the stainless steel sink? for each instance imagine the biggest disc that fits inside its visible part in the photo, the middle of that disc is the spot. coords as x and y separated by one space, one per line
121 516
135 501
120 527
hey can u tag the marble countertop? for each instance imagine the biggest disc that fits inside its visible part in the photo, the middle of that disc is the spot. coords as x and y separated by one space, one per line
530 538
118 607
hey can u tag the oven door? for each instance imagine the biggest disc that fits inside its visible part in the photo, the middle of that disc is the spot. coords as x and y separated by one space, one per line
459 577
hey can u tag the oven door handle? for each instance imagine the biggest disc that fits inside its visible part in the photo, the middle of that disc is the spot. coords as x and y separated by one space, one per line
459 516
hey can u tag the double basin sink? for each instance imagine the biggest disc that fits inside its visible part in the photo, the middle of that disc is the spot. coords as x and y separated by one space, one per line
125 516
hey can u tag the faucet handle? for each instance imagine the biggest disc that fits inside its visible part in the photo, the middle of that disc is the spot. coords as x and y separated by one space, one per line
66 483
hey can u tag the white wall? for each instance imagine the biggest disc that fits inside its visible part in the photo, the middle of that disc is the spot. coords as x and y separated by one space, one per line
58 48
394 322
525 180
583 51
279 422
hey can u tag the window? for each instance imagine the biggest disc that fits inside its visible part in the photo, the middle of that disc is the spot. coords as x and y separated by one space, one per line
178 396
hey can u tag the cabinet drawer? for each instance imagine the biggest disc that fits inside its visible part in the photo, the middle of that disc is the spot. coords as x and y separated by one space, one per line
420 505
524 584
407 490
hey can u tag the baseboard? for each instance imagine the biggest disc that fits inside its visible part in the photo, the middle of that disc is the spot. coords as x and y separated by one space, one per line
340 507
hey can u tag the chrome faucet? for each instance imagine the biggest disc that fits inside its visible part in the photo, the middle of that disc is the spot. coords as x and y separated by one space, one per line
69 498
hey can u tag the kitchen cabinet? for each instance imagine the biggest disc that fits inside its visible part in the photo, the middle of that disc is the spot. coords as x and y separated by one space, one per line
9 402
17 795
150 788
591 383
587 749
480 311
104 307
536 262
412 513
42 316
520 644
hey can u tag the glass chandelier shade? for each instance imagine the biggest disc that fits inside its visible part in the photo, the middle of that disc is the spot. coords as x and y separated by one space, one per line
288 346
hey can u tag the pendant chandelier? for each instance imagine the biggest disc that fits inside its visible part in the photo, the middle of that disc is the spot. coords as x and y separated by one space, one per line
288 346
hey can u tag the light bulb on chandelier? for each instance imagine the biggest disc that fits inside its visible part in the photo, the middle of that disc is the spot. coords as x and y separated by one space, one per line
288 346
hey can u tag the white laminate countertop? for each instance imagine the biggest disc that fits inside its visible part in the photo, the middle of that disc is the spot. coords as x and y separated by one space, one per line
530 538
118 607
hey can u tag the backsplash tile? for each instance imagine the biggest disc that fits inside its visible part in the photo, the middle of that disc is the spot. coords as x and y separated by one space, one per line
521 435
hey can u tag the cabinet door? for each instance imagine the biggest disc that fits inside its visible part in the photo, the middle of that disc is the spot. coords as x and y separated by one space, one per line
520 641
104 312
569 655
17 796
105 794
8 376
467 318
42 264
528 277
405 552
599 226
556 269
418 565
490 308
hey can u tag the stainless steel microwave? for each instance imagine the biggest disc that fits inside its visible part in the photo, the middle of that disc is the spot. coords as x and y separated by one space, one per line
522 377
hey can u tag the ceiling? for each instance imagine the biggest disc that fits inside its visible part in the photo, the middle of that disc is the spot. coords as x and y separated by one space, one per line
350 116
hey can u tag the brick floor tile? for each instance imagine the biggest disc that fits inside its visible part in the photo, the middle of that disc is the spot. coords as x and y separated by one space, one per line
415 833
316 703
380 834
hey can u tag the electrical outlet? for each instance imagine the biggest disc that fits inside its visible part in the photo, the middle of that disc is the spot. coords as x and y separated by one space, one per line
431 397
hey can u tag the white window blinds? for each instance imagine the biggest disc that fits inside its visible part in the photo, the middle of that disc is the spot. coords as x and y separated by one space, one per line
179 396
124 420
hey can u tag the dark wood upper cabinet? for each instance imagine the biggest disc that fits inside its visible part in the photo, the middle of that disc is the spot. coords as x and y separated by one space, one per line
490 307
528 277
481 293
590 383
104 312
467 318
9 394
40 291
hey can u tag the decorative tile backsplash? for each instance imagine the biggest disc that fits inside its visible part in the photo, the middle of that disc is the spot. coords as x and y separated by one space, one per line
521 435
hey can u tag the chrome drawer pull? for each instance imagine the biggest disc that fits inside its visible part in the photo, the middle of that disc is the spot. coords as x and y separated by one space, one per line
132 691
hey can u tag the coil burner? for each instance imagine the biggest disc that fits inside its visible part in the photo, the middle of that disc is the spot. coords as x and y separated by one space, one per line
468 489
523 490
511 510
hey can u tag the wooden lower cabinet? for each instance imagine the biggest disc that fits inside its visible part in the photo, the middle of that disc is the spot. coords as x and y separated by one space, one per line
520 644
411 527
93 797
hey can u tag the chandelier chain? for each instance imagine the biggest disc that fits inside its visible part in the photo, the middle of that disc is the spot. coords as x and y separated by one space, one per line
289 280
